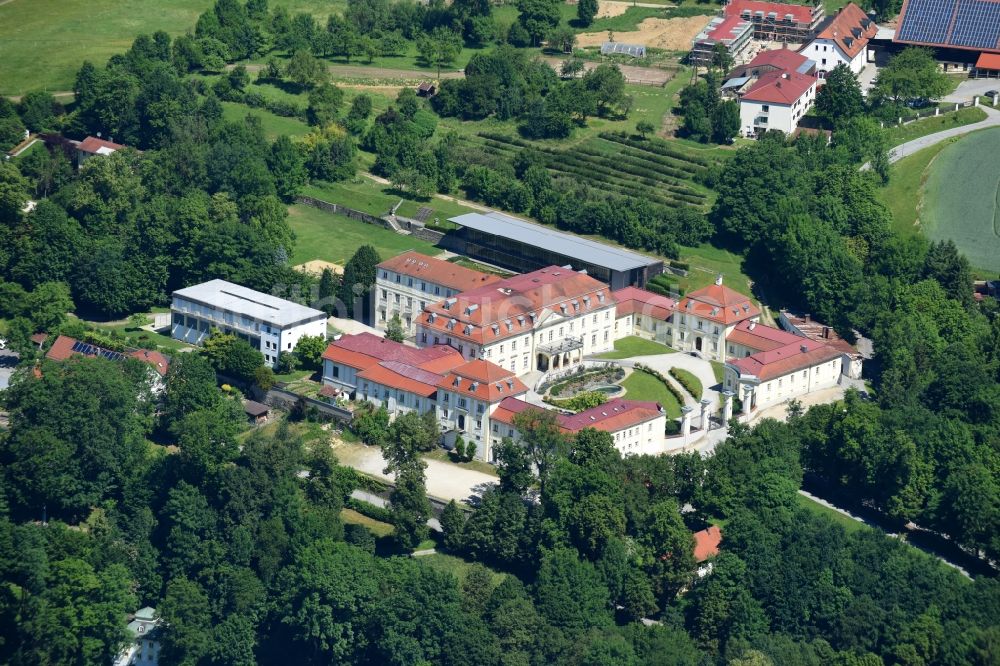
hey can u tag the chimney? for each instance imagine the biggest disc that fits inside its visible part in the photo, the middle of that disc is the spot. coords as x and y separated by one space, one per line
752 325
806 317
718 279
826 332
804 349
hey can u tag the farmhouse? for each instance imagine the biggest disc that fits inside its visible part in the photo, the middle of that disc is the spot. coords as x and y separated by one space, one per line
842 39
523 246
637 427
547 319
964 34
775 60
270 324
405 284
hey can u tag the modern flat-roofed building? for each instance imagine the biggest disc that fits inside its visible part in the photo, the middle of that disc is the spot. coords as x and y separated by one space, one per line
405 284
733 32
270 324
778 21
523 247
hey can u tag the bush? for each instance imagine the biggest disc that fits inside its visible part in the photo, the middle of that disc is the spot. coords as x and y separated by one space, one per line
663 380
581 401
688 381
368 509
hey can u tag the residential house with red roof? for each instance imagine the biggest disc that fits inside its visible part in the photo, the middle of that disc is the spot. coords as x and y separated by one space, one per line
842 39
65 347
546 319
92 146
637 427
405 284
777 100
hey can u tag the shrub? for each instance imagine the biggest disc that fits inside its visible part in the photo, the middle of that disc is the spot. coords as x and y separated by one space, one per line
688 381
368 509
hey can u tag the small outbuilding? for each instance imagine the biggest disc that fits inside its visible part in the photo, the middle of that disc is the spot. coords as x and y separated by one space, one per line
427 89
257 412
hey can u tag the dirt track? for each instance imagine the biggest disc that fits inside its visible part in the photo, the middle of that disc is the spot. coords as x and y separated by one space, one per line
674 34
653 76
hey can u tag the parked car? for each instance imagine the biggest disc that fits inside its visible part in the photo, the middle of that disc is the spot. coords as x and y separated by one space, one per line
992 93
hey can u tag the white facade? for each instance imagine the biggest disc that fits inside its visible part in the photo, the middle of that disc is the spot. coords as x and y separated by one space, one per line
761 394
827 54
270 324
762 116
552 340
404 295
144 650
638 439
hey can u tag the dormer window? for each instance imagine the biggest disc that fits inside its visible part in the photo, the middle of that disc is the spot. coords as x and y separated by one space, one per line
457 382
563 308
496 329
520 320
473 386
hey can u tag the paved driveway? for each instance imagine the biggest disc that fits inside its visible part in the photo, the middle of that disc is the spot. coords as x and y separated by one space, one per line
8 360
970 88
910 147
444 481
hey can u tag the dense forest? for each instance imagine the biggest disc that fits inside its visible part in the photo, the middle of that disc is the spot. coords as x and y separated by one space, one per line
113 497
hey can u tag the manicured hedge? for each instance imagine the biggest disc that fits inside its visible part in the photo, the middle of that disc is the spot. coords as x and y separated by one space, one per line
368 509
670 387
688 381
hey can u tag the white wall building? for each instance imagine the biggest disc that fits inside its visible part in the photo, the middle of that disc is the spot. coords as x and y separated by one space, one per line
144 650
842 39
544 320
776 101
637 427
704 319
270 324
407 283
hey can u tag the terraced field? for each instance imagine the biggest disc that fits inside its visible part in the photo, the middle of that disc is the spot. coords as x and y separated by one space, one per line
653 170
962 198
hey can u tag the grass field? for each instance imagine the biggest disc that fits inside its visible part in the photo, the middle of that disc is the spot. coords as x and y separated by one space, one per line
919 128
371 197
43 42
322 235
376 527
643 386
902 194
962 198
846 522
633 345
273 125
707 262
456 566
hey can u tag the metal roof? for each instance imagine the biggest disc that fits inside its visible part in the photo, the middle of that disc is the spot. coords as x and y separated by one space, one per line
634 50
735 82
240 300
568 245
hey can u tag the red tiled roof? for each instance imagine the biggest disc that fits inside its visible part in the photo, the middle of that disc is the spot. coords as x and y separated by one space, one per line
718 303
779 87
437 271
364 350
777 58
491 382
613 416
39 338
504 308
850 28
402 377
92 145
760 337
62 349
988 61
800 13
706 543
632 300
779 362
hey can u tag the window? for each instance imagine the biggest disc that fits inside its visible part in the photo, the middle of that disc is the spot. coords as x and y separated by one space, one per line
593 339
513 365
462 403
480 408
479 424
336 371
513 345
423 337
824 61
437 290
398 279
385 295
384 275
550 336
496 428
765 108
396 298
605 336
423 287
409 302
501 349
409 282
560 331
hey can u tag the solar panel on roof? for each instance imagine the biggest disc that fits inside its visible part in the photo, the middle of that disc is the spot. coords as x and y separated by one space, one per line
926 21
971 24
634 50
977 25
78 347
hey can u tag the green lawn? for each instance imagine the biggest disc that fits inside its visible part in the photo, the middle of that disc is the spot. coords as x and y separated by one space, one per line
687 379
456 566
925 126
370 197
961 198
707 262
846 522
633 345
274 125
334 238
139 338
43 42
376 527
902 194
719 370
643 386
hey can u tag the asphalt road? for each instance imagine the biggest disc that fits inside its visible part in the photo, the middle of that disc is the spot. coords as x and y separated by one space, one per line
910 147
